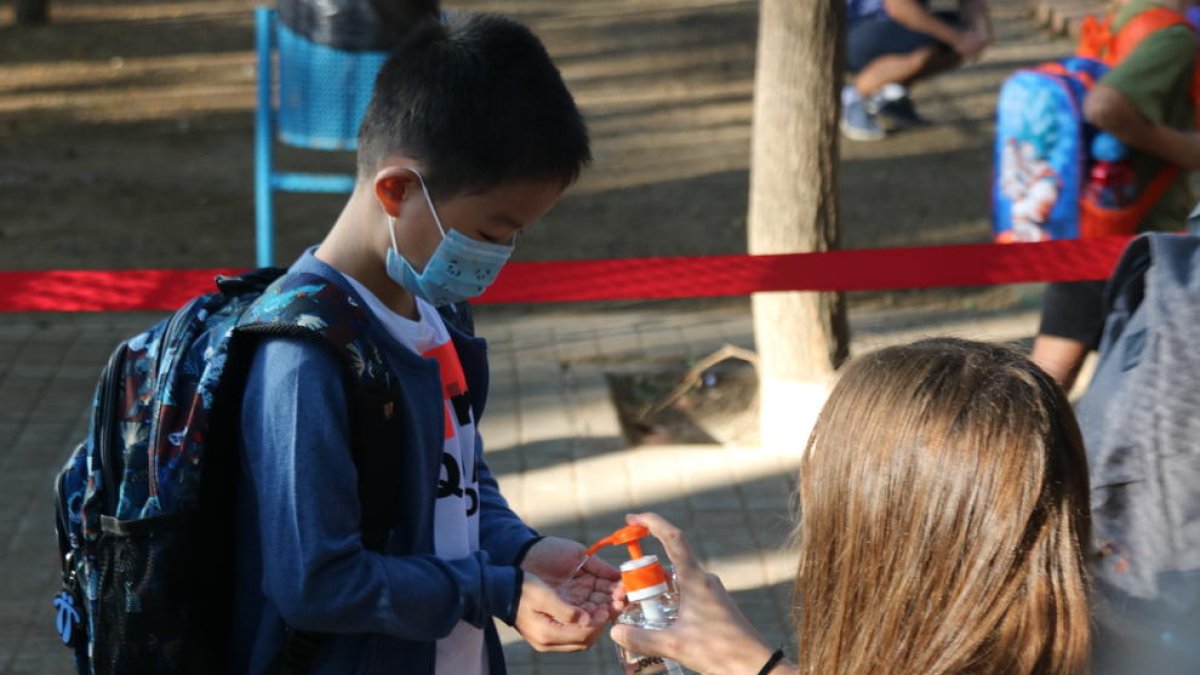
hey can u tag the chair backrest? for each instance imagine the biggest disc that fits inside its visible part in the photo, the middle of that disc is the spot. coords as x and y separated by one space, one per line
309 96
323 91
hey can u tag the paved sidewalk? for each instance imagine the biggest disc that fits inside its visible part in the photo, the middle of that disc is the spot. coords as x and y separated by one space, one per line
552 436
551 430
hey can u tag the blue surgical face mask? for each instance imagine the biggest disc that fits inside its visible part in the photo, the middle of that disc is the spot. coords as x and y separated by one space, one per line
460 267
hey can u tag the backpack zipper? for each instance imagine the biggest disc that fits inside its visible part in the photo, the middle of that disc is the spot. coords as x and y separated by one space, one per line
180 318
65 545
108 421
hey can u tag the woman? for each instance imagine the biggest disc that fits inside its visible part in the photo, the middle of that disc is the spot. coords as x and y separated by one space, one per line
943 526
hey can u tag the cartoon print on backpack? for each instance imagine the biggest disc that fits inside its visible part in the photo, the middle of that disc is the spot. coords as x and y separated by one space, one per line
1054 176
1027 174
1039 139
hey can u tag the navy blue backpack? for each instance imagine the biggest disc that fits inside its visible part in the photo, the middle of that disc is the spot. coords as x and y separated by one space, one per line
145 503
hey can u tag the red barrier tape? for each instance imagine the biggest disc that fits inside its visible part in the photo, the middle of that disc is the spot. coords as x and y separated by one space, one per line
102 290
633 278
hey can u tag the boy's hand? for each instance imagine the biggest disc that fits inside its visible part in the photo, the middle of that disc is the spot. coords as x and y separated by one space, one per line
551 624
589 588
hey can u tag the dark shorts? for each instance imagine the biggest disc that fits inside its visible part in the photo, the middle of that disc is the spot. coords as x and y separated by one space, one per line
1074 310
879 35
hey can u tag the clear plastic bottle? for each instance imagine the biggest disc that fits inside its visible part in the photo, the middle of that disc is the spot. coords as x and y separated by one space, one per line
653 602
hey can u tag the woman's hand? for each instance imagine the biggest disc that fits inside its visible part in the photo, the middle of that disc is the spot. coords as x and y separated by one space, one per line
711 635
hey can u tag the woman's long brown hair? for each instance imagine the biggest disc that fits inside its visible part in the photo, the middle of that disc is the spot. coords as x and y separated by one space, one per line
944 519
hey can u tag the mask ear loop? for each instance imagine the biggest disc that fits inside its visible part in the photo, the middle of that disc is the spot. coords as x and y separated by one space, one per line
429 200
392 232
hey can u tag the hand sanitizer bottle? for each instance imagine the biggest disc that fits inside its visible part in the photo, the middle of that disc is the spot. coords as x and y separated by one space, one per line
653 602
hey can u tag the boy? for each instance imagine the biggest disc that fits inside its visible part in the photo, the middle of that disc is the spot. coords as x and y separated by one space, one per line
891 44
1146 102
470 137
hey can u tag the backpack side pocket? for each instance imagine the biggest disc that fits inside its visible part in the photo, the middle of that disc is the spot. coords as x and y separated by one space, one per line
144 612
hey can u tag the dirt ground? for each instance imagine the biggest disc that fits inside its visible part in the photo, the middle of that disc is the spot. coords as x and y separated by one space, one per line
126 133
126 141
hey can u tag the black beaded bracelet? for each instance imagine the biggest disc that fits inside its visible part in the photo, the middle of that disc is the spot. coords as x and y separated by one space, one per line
771 662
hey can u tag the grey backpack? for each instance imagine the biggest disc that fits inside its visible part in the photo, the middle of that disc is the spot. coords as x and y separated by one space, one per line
1140 418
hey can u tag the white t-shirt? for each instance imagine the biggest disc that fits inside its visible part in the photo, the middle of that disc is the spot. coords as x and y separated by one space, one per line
456 513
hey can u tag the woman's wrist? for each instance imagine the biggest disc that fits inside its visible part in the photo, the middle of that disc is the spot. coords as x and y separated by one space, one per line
750 659
776 664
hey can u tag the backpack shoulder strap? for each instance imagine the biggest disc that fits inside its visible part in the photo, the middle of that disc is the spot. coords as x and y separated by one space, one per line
1095 37
1140 27
311 307
308 305
1125 41
1126 285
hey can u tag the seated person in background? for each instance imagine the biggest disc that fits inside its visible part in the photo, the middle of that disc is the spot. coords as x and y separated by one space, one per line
1146 102
943 524
890 44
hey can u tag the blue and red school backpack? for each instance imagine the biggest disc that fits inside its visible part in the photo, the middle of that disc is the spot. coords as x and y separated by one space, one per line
1041 157
145 503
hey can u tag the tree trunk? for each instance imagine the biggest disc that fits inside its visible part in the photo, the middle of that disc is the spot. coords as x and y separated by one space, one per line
31 12
801 337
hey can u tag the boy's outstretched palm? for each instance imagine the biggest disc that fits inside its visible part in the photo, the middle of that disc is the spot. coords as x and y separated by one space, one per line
557 562
549 623
568 605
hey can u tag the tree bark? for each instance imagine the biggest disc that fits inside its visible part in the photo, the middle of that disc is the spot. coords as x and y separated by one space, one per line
32 12
801 337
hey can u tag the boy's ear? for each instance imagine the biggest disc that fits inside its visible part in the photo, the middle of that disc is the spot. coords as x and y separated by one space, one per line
392 186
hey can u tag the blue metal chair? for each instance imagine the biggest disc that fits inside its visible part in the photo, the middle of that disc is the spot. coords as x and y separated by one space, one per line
322 93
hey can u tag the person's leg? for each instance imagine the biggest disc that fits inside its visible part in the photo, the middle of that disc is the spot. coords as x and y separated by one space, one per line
905 69
880 51
1072 320
866 39
858 121
887 57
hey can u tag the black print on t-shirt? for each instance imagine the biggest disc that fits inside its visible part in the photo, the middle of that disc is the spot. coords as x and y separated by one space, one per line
452 485
462 408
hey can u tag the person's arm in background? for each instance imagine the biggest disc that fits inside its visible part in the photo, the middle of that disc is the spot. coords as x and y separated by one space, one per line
1130 102
977 17
711 634
914 16
1110 110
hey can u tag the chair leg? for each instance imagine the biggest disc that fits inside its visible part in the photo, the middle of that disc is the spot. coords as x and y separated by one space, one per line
264 206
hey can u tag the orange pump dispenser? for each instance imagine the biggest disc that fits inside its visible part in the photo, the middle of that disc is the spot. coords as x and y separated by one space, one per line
643 575
652 601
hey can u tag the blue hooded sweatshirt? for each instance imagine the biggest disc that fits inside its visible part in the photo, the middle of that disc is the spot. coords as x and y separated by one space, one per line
300 559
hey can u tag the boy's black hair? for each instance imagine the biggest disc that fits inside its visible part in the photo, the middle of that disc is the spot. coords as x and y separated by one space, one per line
478 102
